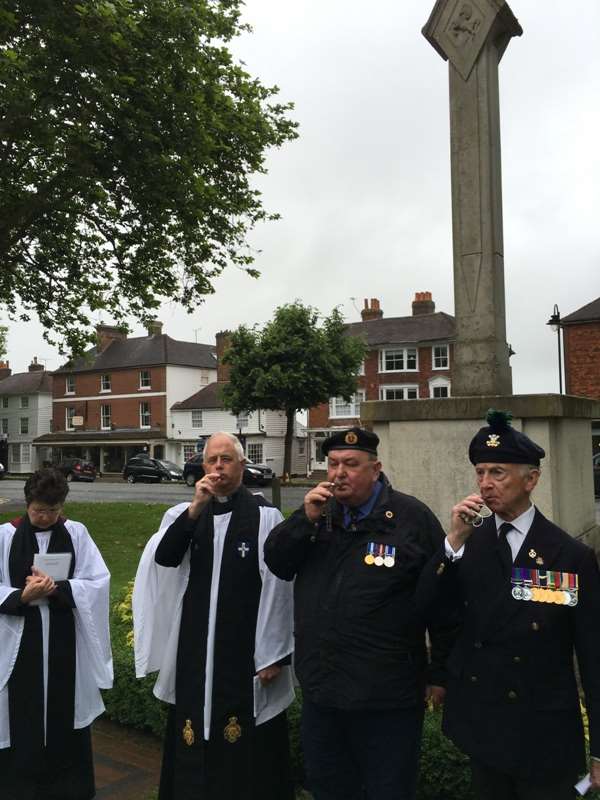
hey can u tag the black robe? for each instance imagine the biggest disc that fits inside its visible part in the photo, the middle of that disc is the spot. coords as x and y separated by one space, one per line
61 768
256 765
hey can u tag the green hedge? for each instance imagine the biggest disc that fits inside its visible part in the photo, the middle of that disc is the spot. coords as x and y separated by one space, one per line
444 770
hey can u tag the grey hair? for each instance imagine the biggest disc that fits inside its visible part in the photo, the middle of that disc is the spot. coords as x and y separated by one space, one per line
526 469
237 445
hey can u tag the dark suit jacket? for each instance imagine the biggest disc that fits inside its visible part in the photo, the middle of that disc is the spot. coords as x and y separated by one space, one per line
512 700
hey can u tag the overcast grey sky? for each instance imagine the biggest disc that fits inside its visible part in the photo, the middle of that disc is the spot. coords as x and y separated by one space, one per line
365 191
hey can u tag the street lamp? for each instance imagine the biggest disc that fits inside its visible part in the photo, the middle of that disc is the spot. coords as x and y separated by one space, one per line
554 323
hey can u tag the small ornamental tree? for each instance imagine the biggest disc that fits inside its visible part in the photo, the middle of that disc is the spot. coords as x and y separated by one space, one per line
128 138
3 335
296 361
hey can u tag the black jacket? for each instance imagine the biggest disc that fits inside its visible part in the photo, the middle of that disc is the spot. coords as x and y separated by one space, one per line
512 700
359 642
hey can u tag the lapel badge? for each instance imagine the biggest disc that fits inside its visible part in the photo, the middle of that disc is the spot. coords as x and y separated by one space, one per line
232 731
539 561
188 733
493 440
351 438
532 553
440 569
243 548
389 514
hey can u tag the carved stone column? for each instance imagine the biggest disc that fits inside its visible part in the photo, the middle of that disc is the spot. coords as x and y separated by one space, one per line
472 36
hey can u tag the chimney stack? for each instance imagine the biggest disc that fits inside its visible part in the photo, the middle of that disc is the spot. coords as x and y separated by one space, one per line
35 367
107 334
5 370
422 304
154 327
371 311
223 339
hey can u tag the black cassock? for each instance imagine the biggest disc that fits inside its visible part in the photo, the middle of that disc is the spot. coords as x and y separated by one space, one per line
255 765
61 769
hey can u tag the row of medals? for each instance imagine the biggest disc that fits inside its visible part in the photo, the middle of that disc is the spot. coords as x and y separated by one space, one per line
540 595
385 555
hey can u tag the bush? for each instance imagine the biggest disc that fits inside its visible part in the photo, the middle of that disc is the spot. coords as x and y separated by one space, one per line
444 775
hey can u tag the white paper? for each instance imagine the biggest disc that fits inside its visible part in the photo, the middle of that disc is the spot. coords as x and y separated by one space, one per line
273 692
56 565
583 786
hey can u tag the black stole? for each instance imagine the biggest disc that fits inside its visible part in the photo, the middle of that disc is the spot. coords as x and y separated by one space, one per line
26 683
235 632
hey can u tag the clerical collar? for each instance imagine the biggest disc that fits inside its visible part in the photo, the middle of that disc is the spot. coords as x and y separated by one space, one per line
359 512
222 498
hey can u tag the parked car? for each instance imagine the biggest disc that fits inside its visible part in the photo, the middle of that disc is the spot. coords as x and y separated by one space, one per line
596 463
2 470
77 469
144 468
254 474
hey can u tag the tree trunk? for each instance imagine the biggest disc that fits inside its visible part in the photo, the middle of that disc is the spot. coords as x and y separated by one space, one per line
290 415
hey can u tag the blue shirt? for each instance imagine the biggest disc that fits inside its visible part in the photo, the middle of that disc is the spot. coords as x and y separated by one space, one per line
365 509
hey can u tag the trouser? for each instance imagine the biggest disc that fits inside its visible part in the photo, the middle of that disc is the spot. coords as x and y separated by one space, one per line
352 755
490 784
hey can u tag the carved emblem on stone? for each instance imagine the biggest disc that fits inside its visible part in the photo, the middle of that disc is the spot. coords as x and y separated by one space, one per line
464 25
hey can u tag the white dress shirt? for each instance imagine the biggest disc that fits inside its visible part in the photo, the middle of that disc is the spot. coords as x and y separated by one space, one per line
515 537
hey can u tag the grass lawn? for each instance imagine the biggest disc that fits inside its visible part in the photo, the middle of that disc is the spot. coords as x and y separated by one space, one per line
120 530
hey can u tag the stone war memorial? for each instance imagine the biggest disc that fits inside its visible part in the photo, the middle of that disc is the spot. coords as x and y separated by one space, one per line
472 35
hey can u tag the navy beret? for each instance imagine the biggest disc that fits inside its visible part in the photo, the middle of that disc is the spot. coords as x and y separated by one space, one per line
352 439
500 443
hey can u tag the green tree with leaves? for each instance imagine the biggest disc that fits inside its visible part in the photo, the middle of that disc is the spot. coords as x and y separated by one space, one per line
296 361
128 138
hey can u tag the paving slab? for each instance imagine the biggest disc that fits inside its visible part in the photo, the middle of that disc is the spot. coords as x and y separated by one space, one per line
127 762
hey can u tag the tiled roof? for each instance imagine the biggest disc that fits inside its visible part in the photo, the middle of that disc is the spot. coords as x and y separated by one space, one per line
144 351
27 383
587 313
402 330
207 397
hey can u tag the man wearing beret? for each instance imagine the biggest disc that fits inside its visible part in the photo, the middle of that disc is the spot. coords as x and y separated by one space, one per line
530 600
355 550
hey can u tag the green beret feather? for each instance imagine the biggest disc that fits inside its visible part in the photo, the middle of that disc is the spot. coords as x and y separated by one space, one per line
498 420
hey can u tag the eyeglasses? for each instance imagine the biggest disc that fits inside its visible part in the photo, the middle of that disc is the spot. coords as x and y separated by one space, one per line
44 511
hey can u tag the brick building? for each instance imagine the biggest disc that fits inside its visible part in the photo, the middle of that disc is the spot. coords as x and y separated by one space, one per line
408 358
581 344
115 400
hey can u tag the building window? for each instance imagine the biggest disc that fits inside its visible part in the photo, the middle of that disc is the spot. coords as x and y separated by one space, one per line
25 454
196 418
5 402
440 356
189 451
144 415
70 384
440 391
361 369
398 392
301 446
242 420
105 383
69 414
398 359
4 425
24 402
145 379
254 451
24 425
105 420
439 388
15 453
338 407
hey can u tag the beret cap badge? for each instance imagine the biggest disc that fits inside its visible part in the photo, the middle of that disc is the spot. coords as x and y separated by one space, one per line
493 440
351 438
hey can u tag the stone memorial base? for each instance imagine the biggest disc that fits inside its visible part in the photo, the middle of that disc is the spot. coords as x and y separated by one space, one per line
424 451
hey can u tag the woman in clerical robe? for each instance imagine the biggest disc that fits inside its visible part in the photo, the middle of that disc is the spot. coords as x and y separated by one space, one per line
55 651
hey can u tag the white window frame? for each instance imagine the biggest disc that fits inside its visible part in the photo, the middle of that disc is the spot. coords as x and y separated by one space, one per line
403 388
361 369
189 450
301 446
196 420
25 453
250 452
26 421
69 414
143 414
103 416
24 401
4 425
435 383
104 388
4 401
242 420
15 453
70 384
335 403
404 351
144 387
433 356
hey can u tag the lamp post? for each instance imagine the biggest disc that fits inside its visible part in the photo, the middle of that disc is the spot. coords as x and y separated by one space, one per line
554 323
